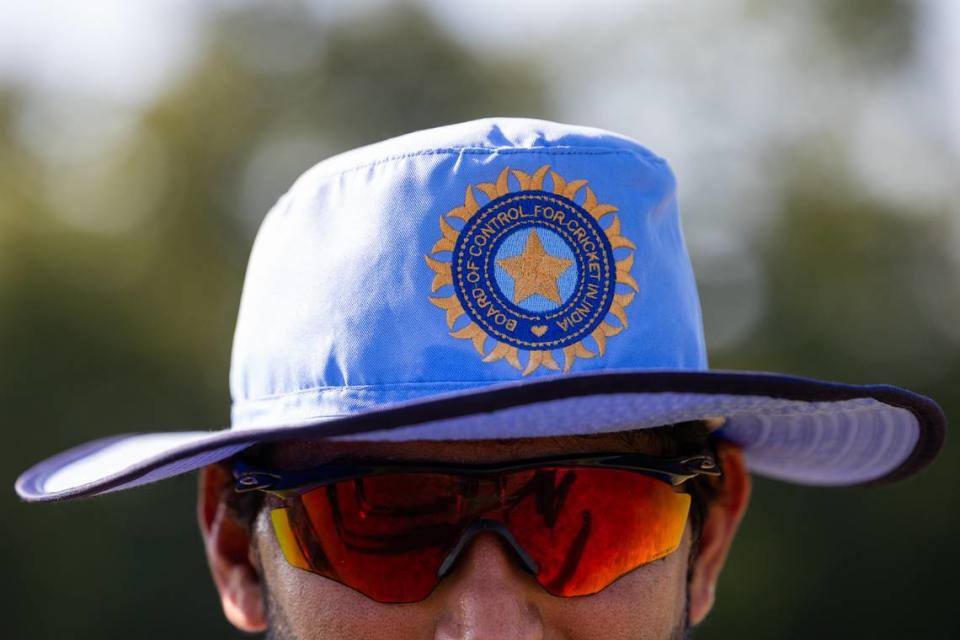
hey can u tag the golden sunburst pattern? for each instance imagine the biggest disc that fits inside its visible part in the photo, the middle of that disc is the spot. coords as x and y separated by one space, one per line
533 271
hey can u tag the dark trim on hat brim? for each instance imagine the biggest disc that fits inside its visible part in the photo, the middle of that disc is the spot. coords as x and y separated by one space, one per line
930 418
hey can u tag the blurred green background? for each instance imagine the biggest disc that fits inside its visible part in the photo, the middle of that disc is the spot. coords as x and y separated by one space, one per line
817 148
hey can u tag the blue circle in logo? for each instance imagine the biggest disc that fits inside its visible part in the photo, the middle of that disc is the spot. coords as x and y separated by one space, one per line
534 270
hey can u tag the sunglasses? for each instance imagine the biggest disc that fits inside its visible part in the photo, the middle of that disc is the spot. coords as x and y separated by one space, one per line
393 530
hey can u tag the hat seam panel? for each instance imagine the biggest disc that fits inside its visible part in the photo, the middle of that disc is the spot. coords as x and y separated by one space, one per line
397 385
859 404
560 151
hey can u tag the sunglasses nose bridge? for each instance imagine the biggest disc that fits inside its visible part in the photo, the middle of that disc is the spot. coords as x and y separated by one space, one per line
473 531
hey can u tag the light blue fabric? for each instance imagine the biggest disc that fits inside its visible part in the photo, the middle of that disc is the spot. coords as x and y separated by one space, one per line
370 279
336 314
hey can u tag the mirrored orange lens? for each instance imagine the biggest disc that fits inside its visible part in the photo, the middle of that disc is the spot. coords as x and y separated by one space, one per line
586 527
384 536
387 535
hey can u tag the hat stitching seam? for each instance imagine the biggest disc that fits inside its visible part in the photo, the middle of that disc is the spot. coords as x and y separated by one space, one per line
727 411
859 404
396 385
560 151
424 383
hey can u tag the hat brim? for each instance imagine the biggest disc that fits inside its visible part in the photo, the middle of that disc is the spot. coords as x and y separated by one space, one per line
795 429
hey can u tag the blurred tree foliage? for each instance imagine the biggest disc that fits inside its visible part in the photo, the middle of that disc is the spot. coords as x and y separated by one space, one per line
857 293
127 326
868 32
129 329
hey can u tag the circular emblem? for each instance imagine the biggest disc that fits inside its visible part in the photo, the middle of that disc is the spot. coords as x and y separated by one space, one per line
534 271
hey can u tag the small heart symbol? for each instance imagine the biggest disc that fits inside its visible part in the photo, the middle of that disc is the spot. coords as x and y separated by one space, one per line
538 330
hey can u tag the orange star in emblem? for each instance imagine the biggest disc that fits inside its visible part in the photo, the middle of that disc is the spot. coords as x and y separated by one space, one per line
535 271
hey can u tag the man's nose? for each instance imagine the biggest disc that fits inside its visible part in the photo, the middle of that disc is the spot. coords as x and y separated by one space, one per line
488 594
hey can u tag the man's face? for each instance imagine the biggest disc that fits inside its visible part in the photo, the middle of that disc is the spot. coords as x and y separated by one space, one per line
488 594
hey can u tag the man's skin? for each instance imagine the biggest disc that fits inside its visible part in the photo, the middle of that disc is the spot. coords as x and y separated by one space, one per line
488 595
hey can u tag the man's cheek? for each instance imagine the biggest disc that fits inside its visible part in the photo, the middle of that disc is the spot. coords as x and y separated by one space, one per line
649 603
304 606
645 604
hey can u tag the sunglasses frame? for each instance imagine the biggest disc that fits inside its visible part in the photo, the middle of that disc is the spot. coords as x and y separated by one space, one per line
285 485
674 471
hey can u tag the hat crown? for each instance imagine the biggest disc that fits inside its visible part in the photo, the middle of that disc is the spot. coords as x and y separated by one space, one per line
463 256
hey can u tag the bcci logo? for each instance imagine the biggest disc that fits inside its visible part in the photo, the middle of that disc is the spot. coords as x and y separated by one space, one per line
533 271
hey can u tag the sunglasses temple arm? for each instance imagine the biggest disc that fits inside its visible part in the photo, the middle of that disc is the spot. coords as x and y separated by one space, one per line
479 527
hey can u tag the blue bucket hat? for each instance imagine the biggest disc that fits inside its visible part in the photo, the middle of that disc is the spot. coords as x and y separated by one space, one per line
493 279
